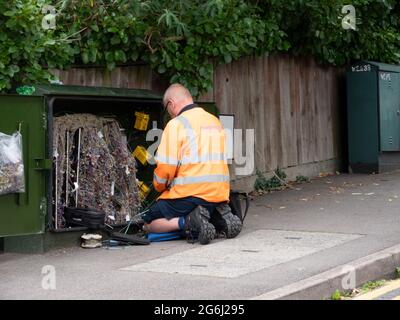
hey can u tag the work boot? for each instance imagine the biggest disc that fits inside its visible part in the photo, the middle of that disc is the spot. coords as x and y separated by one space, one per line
226 222
197 225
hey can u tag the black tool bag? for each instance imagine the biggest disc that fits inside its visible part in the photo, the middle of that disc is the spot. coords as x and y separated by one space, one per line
235 202
85 217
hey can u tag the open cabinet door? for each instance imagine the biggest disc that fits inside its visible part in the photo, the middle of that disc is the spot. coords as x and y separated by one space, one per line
25 213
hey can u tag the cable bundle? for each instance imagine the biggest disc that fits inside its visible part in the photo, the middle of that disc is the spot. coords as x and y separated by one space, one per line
93 168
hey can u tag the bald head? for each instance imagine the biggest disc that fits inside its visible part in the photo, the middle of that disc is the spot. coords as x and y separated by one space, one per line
176 97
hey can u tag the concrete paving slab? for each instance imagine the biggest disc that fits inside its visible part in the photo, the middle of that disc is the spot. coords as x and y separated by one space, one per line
249 253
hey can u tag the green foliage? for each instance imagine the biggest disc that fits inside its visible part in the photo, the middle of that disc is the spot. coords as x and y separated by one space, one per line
371 285
376 36
184 40
25 47
301 178
181 40
398 272
264 184
336 295
25 90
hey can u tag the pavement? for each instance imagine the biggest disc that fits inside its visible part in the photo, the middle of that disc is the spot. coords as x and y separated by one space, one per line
304 242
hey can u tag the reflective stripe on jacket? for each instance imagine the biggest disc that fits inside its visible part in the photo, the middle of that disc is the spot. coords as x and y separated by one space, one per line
191 158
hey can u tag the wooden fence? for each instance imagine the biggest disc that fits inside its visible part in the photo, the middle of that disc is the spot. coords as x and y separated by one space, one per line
292 104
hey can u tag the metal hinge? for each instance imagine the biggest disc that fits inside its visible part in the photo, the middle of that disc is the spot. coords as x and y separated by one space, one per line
44 120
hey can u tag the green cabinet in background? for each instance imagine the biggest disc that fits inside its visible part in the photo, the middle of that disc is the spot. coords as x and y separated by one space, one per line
373 117
389 110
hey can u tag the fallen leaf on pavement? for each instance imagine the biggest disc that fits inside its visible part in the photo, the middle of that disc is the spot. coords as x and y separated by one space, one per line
325 174
336 189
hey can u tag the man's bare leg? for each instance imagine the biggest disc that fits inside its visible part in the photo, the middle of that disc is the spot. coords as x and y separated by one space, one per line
163 225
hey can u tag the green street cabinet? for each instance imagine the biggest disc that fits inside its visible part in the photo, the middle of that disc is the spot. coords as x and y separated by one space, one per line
373 117
26 219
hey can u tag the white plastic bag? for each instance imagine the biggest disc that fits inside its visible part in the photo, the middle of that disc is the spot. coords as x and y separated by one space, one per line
11 164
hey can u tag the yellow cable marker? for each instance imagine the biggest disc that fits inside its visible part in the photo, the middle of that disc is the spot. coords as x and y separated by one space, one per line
144 190
142 121
141 154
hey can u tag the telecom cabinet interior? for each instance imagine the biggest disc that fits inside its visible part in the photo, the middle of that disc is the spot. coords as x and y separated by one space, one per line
102 149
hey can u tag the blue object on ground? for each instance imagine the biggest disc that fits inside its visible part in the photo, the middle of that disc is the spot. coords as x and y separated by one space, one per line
166 236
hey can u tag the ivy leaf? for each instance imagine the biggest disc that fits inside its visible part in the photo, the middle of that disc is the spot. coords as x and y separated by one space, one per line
120 56
93 54
228 58
194 91
12 70
202 71
178 65
168 61
49 42
113 30
175 78
95 27
161 68
110 65
232 47
109 56
153 58
85 57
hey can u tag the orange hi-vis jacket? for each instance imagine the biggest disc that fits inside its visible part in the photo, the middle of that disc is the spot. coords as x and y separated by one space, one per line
191 158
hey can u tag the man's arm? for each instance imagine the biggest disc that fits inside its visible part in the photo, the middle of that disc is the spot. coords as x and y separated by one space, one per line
168 156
